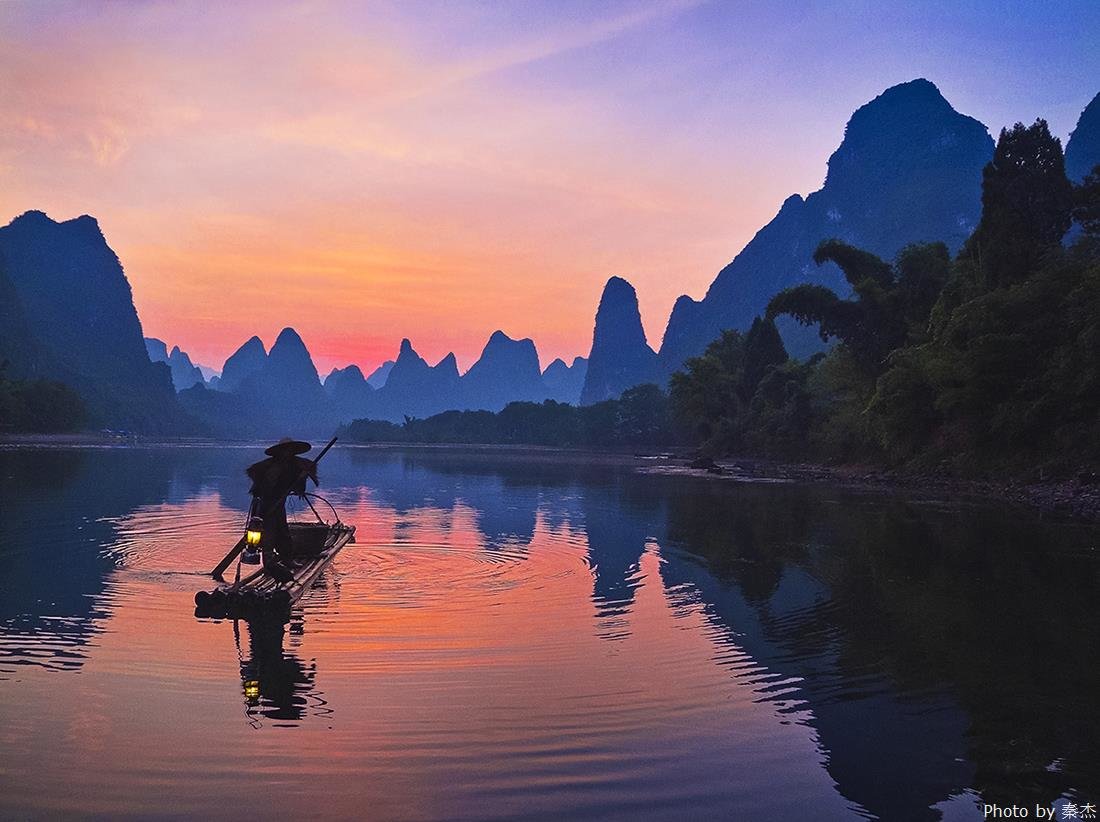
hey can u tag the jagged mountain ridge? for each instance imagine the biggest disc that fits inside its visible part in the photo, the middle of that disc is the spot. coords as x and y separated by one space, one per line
414 388
910 156
185 374
908 170
507 371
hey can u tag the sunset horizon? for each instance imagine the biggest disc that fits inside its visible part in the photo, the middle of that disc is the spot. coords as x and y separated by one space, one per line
584 410
384 174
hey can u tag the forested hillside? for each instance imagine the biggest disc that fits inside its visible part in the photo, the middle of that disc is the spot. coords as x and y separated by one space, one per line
984 362
988 362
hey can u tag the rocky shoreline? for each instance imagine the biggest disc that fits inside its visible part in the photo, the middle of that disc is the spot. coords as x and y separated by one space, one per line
1078 498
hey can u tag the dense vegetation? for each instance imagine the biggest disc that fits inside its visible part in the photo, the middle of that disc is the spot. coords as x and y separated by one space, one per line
38 406
986 362
641 416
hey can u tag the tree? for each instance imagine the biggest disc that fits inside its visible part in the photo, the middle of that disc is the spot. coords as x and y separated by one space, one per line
706 395
889 304
780 414
711 395
1086 203
903 406
764 351
1026 205
643 416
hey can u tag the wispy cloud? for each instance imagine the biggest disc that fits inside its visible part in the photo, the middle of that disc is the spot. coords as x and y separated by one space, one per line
434 170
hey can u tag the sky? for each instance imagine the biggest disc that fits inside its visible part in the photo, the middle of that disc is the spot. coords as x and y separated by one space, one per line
365 172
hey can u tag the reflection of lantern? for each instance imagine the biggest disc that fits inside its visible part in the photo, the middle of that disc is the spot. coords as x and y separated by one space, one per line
252 690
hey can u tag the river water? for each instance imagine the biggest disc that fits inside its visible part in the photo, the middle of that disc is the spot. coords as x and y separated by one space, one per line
518 635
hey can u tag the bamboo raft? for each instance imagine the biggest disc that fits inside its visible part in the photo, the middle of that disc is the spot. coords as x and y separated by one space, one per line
258 593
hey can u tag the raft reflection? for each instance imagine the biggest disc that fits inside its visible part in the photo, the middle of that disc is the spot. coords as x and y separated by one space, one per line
277 685
519 635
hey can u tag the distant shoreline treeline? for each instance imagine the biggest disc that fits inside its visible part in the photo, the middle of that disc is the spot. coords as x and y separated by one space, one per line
988 362
641 416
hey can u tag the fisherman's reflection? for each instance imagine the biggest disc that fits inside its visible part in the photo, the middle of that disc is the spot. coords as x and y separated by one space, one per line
277 685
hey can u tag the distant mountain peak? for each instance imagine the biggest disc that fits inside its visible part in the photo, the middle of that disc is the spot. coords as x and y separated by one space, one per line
157 349
406 350
506 371
288 336
448 364
33 216
349 392
899 103
564 383
621 358
1083 146
908 169
378 376
85 222
919 88
503 346
287 385
352 371
289 344
617 285
88 223
243 363
895 133
619 313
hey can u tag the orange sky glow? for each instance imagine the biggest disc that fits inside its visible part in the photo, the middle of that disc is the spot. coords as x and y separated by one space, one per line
433 171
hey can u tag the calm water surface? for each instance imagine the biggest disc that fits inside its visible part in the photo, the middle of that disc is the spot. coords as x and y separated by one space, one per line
525 637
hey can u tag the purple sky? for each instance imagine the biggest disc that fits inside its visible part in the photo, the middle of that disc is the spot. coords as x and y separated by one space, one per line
439 170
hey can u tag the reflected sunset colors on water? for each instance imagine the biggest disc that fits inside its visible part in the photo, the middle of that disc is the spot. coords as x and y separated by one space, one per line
538 636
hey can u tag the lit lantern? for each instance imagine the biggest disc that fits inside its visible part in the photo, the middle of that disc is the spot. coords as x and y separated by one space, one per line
254 532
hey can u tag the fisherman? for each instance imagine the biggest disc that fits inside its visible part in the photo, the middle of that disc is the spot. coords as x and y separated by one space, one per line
283 473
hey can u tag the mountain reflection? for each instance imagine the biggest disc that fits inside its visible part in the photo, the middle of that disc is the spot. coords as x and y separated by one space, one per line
918 641
932 653
58 507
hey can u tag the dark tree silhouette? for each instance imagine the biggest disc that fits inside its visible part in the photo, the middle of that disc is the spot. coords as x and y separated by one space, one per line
763 351
1086 206
711 395
1026 205
887 304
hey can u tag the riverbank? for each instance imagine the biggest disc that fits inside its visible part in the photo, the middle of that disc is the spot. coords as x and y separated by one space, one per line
1078 498
104 439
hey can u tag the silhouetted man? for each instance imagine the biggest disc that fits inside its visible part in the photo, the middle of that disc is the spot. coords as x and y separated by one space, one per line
283 473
